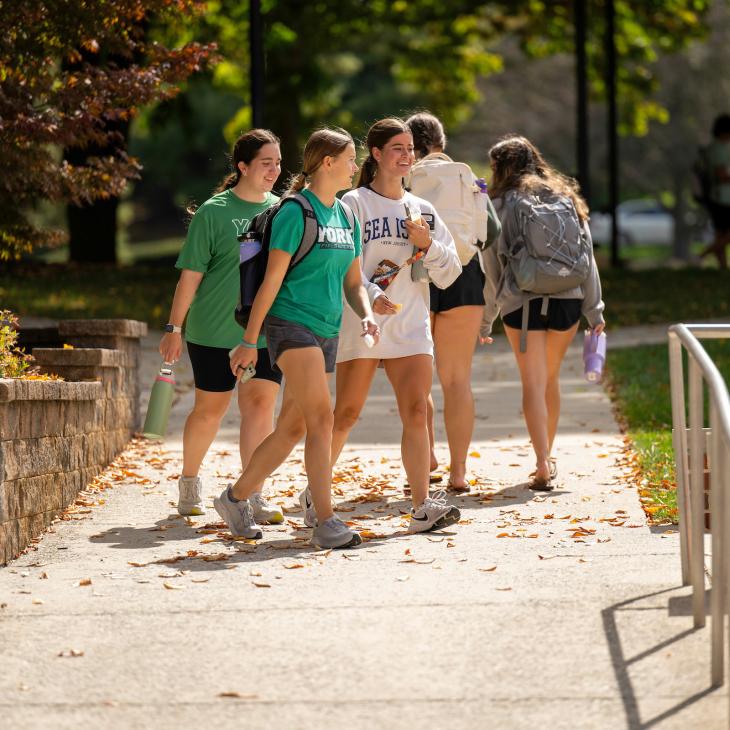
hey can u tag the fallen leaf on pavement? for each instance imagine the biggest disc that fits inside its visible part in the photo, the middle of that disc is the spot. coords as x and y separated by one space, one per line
490 569
172 586
261 584
71 653
82 582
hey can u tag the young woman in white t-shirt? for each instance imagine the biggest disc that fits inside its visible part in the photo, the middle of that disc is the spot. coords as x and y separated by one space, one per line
390 238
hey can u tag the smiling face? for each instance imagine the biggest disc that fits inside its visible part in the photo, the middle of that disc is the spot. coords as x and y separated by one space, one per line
264 170
396 157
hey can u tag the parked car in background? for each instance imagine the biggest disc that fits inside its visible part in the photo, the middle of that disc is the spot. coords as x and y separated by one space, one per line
644 221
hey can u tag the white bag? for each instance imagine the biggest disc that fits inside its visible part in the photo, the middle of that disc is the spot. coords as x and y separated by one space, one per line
450 187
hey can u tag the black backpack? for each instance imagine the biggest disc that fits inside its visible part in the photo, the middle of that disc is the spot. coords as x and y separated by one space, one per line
254 249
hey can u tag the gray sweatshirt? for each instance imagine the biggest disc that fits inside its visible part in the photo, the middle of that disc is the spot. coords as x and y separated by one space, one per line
502 294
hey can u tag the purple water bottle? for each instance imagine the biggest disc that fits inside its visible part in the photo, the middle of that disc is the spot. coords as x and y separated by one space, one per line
594 355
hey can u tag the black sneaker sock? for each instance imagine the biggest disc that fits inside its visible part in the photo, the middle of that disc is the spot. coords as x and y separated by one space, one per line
230 494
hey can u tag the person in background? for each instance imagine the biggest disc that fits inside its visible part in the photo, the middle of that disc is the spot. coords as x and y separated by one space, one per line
520 173
205 298
718 203
457 310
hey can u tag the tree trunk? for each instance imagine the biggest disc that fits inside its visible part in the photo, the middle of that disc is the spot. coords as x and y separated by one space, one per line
93 232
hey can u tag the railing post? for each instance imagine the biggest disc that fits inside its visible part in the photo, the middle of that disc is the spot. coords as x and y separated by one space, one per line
717 522
697 493
679 442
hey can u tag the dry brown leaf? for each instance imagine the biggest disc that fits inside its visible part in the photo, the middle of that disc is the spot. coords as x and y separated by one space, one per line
172 586
294 566
82 582
490 569
200 580
261 584
71 653
256 573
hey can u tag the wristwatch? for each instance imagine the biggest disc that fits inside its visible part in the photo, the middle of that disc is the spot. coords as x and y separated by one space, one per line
172 328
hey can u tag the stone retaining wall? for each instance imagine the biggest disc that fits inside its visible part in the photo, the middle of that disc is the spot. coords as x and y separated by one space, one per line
56 436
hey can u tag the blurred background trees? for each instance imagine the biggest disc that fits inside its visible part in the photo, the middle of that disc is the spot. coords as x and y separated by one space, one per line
485 68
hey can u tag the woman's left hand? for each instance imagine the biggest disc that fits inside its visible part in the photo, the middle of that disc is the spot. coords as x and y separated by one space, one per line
241 357
599 328
370 327
419 234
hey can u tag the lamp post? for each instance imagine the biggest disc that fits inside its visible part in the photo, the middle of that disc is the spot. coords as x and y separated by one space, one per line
581 121
256 45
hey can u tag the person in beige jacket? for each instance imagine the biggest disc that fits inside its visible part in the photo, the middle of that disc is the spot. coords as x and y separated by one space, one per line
519 170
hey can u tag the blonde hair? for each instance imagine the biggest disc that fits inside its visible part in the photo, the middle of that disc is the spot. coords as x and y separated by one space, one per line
518 165
325 142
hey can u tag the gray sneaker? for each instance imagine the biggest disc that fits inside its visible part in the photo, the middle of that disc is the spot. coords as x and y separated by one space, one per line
434 514
265 511
305 499
334 533
237 515
190 500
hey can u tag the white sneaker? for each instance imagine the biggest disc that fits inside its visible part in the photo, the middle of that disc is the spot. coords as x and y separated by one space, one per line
310 515
265 511
190 500
238 516
334 533
434 514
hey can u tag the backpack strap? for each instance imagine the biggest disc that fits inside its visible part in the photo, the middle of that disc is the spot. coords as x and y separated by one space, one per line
526 316
311 228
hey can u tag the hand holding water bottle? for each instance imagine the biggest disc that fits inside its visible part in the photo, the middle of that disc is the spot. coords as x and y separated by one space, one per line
594 353
370 331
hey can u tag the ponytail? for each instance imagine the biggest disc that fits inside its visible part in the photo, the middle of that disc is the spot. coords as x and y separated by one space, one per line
229 181
296 183
368 170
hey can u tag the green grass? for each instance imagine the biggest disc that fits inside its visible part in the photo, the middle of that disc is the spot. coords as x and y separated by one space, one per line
665 296
69 292
639 385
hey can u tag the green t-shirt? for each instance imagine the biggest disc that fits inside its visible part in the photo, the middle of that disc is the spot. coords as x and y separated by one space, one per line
311 293
212 248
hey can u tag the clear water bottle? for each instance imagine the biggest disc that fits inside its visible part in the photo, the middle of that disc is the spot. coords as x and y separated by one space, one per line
158 410
594 355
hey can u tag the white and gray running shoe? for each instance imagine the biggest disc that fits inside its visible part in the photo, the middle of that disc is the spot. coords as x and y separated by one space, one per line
265 511
434 514
237 515
334 533
190 500
310 515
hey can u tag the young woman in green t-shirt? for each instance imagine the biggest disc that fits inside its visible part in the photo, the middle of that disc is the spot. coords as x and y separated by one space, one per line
205 298
302 308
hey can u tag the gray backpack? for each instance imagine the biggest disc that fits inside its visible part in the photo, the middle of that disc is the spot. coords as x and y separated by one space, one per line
549 252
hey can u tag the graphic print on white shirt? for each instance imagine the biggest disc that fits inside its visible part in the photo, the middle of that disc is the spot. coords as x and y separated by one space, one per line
386 244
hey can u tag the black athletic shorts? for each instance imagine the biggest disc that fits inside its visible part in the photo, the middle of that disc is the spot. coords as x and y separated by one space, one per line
720 215
562 314
212 368
467 290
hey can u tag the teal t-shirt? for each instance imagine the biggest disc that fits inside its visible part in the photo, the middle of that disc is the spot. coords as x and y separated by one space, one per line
212 248
311 293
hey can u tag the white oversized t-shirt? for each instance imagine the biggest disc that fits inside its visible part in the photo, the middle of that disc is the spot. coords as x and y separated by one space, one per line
385 239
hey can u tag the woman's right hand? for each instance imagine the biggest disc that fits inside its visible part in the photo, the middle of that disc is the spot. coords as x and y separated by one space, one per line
171 346
383 305
242 357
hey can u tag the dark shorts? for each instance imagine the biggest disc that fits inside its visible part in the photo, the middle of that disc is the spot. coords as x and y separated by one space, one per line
720 215
562 314
212 368
283 335
467 290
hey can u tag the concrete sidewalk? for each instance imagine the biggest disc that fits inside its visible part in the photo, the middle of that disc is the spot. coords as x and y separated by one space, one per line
562 610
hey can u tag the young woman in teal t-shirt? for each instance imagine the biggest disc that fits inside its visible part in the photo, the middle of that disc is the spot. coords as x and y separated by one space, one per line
205 298
302 308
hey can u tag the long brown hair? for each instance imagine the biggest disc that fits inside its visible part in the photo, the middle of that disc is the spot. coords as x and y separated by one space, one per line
325 142
378 136
518 165
245 150
428 133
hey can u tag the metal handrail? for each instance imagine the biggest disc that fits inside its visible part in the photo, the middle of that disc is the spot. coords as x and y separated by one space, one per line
690 469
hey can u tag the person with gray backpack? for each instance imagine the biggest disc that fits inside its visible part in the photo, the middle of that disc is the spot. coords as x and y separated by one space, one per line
541 276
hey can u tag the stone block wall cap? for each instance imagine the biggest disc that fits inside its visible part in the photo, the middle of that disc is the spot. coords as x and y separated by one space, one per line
50 357
12 389
102 327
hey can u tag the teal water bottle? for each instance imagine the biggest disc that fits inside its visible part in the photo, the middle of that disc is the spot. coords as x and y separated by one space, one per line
158 410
